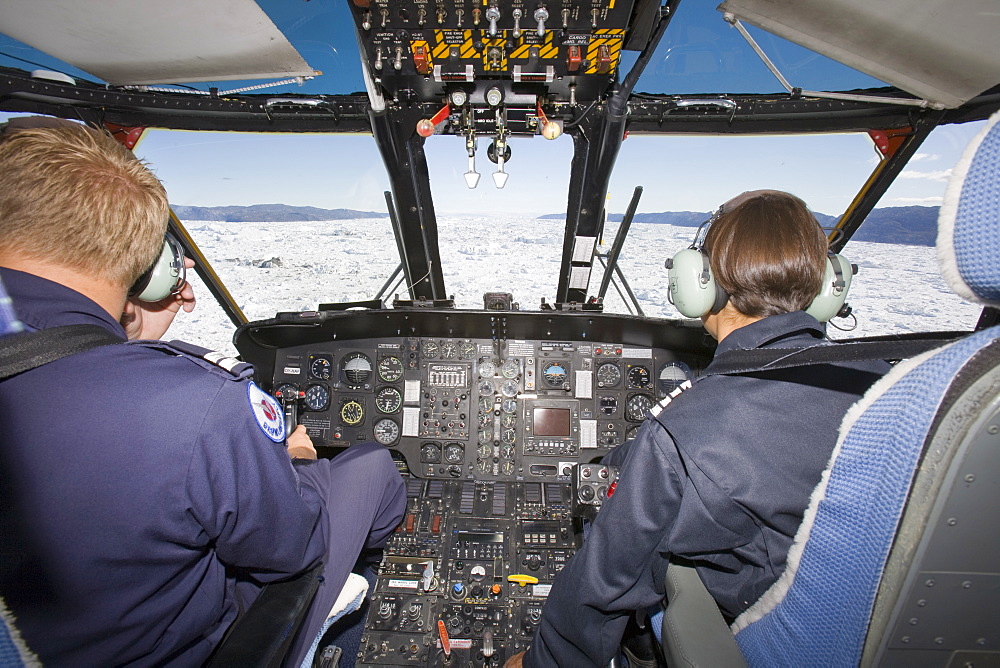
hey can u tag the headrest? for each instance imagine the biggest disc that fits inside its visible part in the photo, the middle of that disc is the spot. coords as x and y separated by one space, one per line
968 242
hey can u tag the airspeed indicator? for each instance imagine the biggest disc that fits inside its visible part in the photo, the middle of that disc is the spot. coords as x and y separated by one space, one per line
390 369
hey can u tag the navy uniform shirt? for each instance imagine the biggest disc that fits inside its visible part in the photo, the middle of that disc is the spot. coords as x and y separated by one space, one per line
138 484
721 476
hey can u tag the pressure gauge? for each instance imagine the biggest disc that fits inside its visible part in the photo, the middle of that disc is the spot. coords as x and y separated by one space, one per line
386 431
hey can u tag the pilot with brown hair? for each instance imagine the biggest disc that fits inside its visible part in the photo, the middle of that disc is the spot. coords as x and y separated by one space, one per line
147 486
721 474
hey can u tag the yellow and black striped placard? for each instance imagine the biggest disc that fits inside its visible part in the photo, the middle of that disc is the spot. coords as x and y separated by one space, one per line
546 49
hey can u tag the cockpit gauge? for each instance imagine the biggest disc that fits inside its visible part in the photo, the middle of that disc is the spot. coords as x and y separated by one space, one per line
430 453
636 407
485 388
390 368
386 431
507 451
509 406
672 374
388 399
638 377
510 369
508 420
429 349
507 467
466 350
485 450
609 405
485 420
286 392
608 375
483 466
486 403
320 367
509 388
485 435
632 431
356 369
554 374
352 412
317 397
487 369
508 435
454 453
449 350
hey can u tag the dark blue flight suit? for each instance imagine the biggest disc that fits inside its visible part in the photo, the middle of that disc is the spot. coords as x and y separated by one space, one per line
721 476
142 482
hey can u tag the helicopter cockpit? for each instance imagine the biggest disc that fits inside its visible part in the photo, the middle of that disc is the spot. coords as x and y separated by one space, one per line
496 416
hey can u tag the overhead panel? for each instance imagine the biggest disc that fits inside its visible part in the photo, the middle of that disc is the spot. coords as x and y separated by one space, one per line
422 48
151 42
944 51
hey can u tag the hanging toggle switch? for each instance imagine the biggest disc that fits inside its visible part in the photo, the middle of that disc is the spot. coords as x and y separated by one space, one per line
593 17
565 18
499 152
378 59
366 20
541 15
517 23
421 16
471 176
397 62
459 13
385 17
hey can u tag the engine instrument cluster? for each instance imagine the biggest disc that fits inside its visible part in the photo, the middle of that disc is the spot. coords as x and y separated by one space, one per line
459 408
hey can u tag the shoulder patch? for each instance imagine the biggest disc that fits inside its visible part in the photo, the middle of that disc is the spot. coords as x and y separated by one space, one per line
270 418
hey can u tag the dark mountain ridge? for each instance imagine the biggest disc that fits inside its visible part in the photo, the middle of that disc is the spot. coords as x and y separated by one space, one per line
911 225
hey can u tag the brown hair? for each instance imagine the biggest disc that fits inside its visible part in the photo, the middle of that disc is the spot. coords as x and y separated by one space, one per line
768 253
73 196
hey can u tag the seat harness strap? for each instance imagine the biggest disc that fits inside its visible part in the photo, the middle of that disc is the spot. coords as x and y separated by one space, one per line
29 350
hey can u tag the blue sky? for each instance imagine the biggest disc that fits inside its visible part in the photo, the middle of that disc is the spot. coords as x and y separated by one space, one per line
678 173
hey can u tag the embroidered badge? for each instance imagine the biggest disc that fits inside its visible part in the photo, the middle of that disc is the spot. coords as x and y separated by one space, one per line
270 418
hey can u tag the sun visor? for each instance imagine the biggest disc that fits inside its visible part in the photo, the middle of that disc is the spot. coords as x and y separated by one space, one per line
155 42
944 51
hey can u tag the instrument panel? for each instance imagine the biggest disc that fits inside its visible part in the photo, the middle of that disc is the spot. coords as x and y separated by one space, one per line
498 422
469 408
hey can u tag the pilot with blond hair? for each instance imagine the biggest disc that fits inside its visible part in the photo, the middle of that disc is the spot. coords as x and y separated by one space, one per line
721 474
148 489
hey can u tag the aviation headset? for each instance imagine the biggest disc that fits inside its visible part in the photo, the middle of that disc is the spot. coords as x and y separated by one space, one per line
694 291
165 277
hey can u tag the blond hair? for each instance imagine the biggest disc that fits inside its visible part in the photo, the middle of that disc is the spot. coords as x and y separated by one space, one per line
73 196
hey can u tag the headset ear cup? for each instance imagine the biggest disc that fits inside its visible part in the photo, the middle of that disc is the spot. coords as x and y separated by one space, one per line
833 293
164 277
692 288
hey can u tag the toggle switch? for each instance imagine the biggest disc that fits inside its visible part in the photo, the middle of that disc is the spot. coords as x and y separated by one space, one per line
517 22
541 15
574 57
493 15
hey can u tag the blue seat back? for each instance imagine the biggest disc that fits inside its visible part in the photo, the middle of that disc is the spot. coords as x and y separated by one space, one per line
875 527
